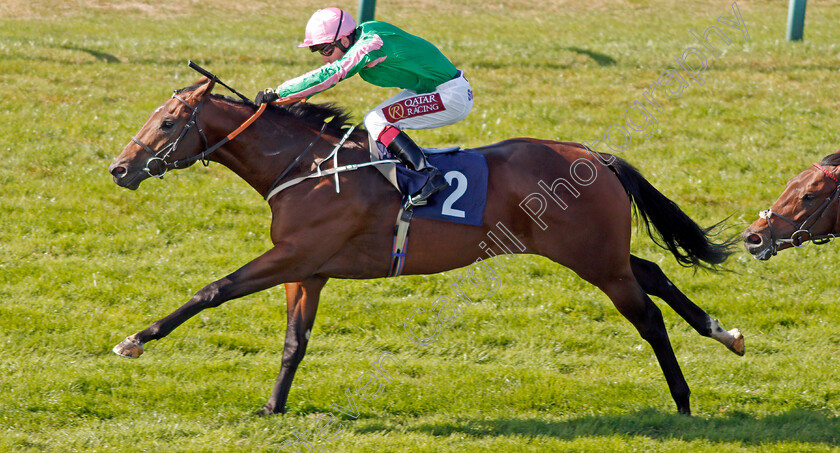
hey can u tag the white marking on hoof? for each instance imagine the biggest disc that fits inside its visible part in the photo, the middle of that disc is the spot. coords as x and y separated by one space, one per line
737 345
129 348
731 339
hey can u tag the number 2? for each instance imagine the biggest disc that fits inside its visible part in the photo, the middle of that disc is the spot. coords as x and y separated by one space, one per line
460 190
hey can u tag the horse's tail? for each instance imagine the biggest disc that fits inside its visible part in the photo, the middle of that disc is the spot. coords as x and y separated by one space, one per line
691 244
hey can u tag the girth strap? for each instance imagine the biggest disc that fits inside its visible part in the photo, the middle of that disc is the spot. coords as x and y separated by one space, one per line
398 251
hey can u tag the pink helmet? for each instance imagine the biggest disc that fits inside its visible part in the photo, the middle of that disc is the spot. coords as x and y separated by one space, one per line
327 26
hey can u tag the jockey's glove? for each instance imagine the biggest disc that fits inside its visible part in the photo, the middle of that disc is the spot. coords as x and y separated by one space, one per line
266 96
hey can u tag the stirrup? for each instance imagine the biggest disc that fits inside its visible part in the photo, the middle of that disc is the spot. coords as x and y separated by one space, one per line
412 202
426 192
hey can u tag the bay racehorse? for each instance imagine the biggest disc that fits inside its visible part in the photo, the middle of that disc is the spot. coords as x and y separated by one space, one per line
807 210
318 234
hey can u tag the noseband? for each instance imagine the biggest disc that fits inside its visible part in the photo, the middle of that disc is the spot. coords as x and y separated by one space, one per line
802 234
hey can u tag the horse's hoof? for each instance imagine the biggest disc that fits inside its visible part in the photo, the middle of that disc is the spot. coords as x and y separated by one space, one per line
265 411
737 345
129 348
269 409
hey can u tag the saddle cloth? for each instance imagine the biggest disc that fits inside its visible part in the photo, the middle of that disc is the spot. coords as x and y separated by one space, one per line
466 197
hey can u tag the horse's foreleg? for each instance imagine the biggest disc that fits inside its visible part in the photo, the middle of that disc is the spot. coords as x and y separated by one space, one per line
654 282
637 307
261 273
301 306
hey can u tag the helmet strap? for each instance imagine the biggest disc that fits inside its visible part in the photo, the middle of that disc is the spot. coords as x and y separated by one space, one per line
351 38
338 29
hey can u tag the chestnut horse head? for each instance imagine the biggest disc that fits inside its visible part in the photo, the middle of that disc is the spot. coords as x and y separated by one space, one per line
165 138
807 210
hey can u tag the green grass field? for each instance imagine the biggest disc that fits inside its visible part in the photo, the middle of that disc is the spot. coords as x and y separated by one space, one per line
547 364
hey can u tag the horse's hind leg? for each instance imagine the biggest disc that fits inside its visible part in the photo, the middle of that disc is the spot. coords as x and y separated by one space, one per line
301 305
631 301
654 282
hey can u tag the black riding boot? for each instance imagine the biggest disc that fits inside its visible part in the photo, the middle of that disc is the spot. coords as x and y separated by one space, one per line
412 157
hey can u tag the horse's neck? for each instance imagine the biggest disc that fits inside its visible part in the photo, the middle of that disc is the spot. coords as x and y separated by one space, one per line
261 153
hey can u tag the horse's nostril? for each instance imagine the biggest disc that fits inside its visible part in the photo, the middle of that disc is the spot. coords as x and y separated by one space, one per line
754 239
118 171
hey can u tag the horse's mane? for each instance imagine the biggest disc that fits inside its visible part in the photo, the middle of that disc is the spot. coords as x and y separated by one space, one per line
317 114
320 113
831 159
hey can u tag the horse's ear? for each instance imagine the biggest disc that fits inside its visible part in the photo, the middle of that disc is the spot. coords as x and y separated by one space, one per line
205 86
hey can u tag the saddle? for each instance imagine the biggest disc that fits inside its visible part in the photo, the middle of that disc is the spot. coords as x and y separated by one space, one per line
404 180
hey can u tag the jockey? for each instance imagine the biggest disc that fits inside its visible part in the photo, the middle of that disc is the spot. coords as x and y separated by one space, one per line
435 93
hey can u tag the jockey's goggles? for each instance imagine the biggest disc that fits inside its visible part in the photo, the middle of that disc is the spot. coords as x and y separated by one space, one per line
324 49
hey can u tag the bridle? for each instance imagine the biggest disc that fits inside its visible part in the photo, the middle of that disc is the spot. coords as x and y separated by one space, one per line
802 234
161 155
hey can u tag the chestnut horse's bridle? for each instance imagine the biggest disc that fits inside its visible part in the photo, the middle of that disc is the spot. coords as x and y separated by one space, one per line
193 121
163 153
802 234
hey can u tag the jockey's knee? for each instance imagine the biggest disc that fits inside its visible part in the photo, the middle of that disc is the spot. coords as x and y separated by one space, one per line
375 123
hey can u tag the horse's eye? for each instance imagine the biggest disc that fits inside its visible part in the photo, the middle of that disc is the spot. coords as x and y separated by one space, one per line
167 124
808 197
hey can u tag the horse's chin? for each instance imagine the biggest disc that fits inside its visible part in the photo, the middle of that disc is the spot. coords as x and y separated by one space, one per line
764 255
131 182
761 252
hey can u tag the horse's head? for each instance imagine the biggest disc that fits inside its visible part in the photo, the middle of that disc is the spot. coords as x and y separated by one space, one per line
171 138
808 210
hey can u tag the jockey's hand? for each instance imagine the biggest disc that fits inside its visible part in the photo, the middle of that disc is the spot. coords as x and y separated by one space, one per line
266 96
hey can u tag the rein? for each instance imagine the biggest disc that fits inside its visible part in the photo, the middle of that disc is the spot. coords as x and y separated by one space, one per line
798 238
297 159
